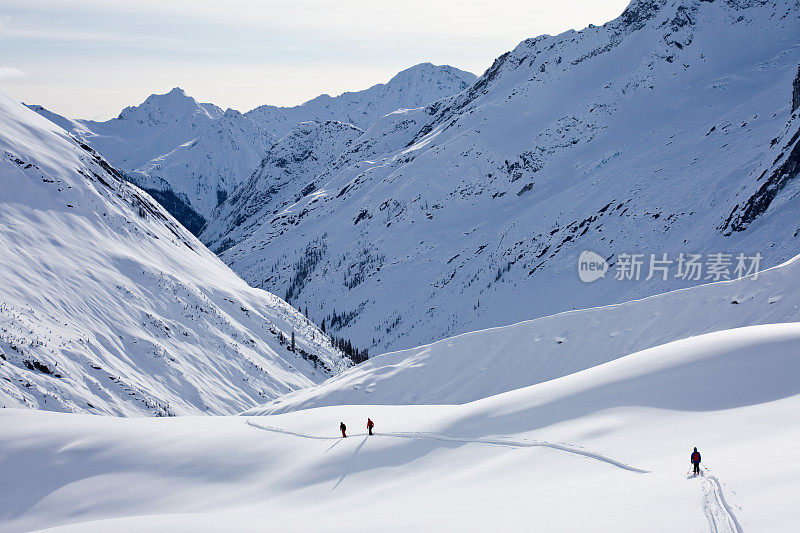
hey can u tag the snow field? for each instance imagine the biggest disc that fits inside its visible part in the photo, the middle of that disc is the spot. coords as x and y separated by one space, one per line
608 446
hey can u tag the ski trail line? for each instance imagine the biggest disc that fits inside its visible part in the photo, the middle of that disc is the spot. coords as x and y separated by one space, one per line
490 442
717 510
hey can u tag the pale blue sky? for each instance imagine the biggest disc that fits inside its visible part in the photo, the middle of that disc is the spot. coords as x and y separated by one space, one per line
91 58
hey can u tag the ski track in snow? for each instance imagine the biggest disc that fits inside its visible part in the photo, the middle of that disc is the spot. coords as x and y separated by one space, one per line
718 512
721 518
447 438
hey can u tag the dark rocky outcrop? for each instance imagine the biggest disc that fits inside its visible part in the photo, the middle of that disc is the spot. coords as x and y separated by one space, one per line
757 204
782 174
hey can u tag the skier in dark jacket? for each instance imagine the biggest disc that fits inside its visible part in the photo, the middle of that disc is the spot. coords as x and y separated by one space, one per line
695 459
343 428
370 425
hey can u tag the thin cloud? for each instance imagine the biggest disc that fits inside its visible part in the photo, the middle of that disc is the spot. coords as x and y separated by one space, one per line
9 73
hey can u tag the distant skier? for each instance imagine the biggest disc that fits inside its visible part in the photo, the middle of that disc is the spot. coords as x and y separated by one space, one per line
370 425
343 428
695 459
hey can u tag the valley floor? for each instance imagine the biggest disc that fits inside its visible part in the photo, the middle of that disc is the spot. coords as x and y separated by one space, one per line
605 449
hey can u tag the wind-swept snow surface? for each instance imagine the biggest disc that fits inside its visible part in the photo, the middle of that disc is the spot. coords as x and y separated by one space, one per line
606 449
108 305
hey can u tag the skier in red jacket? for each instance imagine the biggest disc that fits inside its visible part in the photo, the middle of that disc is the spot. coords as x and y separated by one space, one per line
695 459
370 425
343 428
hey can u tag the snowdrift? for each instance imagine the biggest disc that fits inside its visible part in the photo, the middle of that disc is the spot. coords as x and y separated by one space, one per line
605 449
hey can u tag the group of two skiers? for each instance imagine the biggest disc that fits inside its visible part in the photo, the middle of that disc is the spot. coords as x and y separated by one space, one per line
343 428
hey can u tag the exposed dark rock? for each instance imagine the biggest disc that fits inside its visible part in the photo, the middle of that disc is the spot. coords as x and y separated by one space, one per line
221 196
36 365
363 214
637 13
757 204
525 189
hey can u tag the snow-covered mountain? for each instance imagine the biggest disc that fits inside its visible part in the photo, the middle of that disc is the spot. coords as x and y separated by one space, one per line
646 135
282 178
411 88
674 129
108 305
190 156
202 172
155 127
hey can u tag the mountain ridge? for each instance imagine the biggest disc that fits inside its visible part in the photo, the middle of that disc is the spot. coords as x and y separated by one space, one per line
191 156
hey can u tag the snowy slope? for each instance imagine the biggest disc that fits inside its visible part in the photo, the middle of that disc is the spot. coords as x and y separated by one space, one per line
606 449
68 124
411 88
648 134
484 363
110 306
282 178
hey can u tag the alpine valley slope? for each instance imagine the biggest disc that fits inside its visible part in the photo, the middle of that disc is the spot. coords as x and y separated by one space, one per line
657 132
606 450
480 364
109 306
